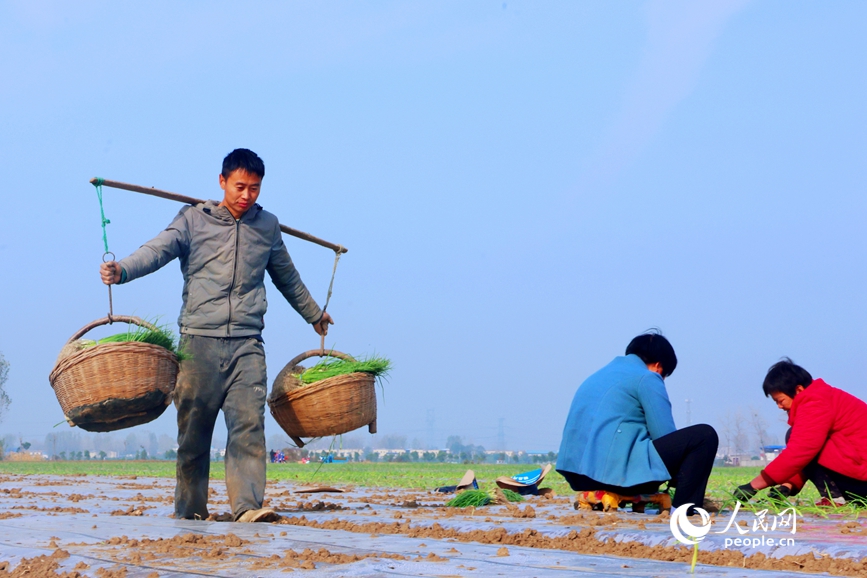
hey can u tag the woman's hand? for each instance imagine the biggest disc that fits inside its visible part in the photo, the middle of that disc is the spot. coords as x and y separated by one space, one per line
744 493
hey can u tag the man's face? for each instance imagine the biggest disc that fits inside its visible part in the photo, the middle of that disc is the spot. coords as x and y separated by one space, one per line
240 191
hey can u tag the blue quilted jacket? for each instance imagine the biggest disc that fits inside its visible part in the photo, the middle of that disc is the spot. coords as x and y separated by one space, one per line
615 416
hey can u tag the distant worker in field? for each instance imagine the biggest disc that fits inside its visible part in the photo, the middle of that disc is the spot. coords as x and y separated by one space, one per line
826 443
620 435
224 250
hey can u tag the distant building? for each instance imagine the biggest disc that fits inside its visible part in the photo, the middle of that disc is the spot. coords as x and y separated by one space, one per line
507 453
26 456
746 461
772 452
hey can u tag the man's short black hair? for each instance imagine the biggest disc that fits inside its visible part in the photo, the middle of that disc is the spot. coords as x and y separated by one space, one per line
243 159
652 348
784 377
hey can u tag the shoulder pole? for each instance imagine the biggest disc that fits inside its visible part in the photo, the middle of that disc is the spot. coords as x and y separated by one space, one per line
193 201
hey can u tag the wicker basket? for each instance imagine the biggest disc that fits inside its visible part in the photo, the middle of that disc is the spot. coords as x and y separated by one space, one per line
331 406
113 386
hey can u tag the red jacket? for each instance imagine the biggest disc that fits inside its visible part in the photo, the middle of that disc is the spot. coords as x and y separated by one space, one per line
827 422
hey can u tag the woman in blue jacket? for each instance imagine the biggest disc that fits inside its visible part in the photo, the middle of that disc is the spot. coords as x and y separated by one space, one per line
620 435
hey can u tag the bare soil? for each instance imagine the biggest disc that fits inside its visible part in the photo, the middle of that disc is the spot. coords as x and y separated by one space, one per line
409 513
585 542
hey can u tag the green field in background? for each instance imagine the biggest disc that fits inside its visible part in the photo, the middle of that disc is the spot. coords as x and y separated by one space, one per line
388 475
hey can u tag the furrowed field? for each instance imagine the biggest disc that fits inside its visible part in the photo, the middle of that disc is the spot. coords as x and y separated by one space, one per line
125 510
422 476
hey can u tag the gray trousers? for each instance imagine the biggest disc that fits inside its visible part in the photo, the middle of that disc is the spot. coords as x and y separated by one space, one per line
227 374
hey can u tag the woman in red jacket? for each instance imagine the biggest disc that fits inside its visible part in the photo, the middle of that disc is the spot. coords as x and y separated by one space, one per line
826 444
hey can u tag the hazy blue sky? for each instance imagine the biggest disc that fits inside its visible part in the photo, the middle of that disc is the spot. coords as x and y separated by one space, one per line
523 187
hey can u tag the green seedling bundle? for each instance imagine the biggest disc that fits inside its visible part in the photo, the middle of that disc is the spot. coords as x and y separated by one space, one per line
467 498
376 366
478 498
159 335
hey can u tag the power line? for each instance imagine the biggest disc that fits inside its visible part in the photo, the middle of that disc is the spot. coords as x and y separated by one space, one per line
501 435
431 436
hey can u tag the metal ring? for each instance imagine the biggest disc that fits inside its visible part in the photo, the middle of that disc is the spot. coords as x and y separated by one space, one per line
113 258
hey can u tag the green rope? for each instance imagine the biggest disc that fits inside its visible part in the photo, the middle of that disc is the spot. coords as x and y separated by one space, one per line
98 184
323 463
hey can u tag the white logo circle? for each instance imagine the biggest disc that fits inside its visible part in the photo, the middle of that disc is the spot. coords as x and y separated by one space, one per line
681 525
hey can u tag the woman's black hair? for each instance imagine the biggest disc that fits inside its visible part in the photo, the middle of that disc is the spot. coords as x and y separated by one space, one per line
652 348
784 377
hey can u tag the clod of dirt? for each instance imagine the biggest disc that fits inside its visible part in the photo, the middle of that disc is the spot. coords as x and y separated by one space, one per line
431 557
308 559
115 572
851 528
320 505
500 498
503 551
224 517
131 511
39 567
54 509
78 497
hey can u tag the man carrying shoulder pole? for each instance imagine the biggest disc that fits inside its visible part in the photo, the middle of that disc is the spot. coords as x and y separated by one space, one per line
224 250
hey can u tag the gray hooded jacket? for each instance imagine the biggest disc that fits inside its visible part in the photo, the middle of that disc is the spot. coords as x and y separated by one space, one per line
224 262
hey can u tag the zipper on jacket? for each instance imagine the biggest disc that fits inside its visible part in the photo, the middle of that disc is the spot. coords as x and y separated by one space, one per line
234 272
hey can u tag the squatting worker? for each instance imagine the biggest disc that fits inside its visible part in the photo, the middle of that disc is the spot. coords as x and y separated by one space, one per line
620 435
224 250
826 443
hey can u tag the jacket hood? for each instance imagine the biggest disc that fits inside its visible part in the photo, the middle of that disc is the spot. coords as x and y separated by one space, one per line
214 209
815 388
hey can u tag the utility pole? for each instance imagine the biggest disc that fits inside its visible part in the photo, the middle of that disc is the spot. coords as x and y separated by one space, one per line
688 412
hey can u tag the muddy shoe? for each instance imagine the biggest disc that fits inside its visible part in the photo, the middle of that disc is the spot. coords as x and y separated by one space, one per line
712 506
260 515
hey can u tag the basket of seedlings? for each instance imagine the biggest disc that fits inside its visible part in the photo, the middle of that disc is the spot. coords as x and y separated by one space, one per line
119 381
333 397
